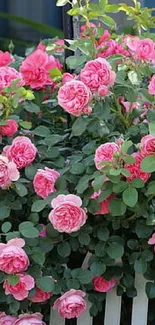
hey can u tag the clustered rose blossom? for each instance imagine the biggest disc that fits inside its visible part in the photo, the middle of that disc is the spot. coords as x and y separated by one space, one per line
142 49
9 129
5 58
151 88
7 75
103 285
44 182
71 304
29 319
74 97
104 205
67 214
19 291
35 69
13 258
105 152
7 319
135 169
40 296
22 151
110 47
147 145
8 172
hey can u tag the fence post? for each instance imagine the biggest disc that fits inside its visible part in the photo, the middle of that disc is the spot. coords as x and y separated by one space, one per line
140 303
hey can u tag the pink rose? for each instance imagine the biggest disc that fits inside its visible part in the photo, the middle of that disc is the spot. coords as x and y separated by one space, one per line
59 45
19 291
67 77
145 49
44 182
67 214
41 46
135 170
43 231
32 319
5 58
40 296
35 69
104 205
84 33
71 304
7 319
151 88
148 145
7 75
103 91
13 259
97 73
151 241
8 172
109 48
74 97
22 151
106 152
102 285
9 129
106 35
129 107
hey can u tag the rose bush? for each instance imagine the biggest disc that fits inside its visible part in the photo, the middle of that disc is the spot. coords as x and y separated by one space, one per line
77 169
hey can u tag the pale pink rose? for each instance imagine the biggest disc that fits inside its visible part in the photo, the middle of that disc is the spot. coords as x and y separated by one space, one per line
104 205
5 58
102 285
30 319
67 77
145 49
40 296
13 259
135 170
147 145
131 42
7 319
9 129
103 91
44 182
105 152
71 304
74 97
151 241
7 75
67 214
97 73
19 291
22 151
35 69
129 107
8 172
151 88
42 232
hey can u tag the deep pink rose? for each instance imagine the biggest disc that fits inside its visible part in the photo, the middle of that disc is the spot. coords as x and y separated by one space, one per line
106 35
91 29
5 58
30 319
8 172
97 73
7 319
22 151
67 77
40 296
135 170
71 304
13 259
103 91
35 69
104 205
74 97
20 291
106 152
67 214
7 75
102 285
148 145
145 49
111 47
41 46
44 182
151 88
9 129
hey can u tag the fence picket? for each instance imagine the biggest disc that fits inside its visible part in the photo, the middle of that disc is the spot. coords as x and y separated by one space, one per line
140 303
85 318
55 319
112 308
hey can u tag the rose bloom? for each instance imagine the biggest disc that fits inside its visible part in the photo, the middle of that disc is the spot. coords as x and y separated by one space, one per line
40 296
111 47
148 145
43 231
44 182
74 98
145 49
67 214
105 152
59 46
8 172
135 170
36 67
5 58
151 88
71 304
67 77
104 205
102 285
19 291
7 319
30 319
9 129
7 75
106 35
22 151
151 241
97 73
13 259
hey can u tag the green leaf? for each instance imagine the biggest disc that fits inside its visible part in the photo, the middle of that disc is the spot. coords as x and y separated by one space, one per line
130 196
117 207
73 284
28 230
38 257
120 187
152 128
129 159
115 250
150 290
79 126
140 266
84 238
73 62
125 146
45 283
142 230
21 189
64 249
77 168
4 212
137 183
93 206
55 74
41 131
148 164
103 3
112 8
84 276
25 124
98 268
103 234
107 21
61 3
30 172
13 279
100 249
6 226
98 182
151 188
38 205
53 139
31 107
